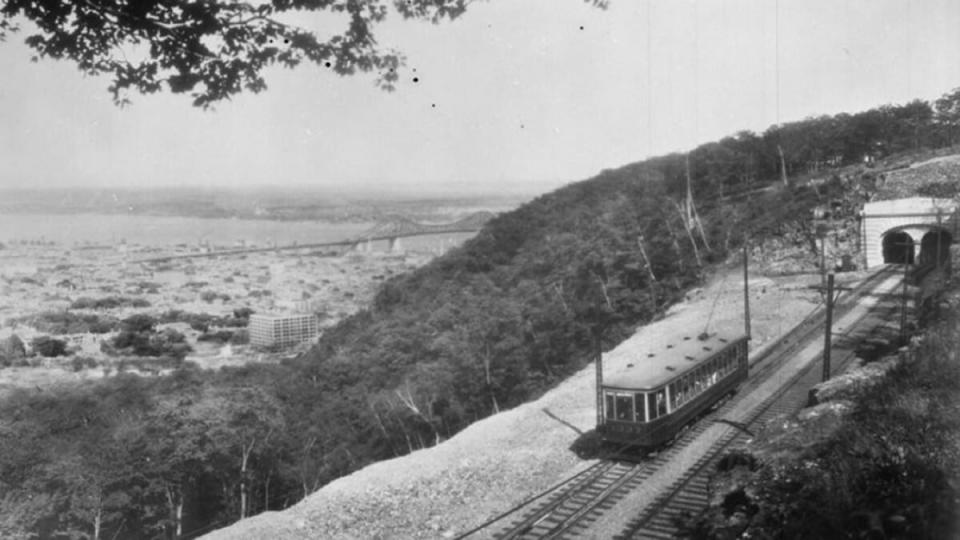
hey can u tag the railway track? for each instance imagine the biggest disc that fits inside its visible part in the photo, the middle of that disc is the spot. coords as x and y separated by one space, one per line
689 494
569 508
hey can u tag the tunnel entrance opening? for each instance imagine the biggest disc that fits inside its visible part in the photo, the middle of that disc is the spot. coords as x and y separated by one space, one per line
934 244
897 248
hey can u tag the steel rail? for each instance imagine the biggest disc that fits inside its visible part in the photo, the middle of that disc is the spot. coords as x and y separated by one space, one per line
689 493
763 365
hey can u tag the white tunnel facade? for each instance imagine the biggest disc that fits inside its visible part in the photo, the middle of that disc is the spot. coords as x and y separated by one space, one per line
908 230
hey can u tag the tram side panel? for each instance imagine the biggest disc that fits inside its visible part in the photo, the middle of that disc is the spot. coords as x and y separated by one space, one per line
649 425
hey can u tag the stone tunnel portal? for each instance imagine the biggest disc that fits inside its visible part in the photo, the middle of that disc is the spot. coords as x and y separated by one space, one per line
897 248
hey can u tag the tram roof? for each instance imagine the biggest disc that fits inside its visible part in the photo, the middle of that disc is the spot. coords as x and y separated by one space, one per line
663 361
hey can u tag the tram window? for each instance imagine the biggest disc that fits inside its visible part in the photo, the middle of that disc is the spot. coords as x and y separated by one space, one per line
608 401
640 402
652 405
673 395
624 403
661 402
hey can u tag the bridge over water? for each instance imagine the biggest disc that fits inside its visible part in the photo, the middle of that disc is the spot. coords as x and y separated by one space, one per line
391 231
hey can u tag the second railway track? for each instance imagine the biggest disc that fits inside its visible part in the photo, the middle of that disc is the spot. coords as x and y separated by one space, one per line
690 494
576 506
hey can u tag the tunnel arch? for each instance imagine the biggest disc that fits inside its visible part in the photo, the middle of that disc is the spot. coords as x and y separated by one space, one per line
934 244
897 247
915 216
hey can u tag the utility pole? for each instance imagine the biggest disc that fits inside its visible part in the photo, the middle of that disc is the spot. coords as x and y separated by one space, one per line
823 260
939 241
828 329
903 300
822 231
746 291
598 355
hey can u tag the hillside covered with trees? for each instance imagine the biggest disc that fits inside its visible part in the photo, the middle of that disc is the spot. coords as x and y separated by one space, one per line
488 326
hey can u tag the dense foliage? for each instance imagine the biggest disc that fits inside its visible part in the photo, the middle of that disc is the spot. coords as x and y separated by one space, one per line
48 346
485 327
889 469
109 302
67 322
214 49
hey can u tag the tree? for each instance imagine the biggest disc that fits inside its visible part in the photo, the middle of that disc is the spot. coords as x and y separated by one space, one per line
12 350
48 346
241 420
139 323
216 48
948 115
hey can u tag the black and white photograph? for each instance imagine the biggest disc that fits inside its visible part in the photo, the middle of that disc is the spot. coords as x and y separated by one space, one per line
479 269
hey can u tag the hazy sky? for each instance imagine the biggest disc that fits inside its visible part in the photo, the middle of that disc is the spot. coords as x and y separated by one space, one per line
518 95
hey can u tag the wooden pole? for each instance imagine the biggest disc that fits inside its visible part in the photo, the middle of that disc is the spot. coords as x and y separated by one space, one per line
828 329
939 241
598 355
823 261
908 250
746 291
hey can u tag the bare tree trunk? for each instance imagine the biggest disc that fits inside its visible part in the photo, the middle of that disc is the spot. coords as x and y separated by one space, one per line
558 288
97 519
244 460
175 505
486 370
179 514
676 244
266 494
783 166
696 252
699 224
688 217
603 288
646 260
686 227
376 415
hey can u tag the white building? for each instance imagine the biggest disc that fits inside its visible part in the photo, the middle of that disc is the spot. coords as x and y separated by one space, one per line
282 330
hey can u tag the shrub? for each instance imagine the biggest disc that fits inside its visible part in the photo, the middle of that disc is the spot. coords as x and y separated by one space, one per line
108 302
48 346
139 323
79 363
221 336
12 348
240 337
200 325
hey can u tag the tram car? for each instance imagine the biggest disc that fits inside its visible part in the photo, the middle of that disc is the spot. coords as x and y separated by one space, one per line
670 385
